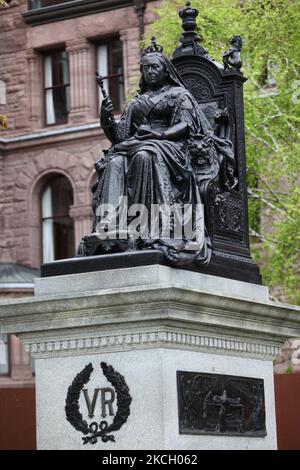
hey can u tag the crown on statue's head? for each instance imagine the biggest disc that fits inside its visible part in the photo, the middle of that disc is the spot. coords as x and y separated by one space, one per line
153 47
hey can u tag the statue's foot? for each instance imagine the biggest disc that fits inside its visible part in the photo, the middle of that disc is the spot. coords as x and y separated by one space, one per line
94 244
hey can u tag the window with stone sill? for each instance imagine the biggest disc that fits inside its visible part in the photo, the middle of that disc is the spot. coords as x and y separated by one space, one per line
4 354
110 66
56 87
57 225
34 4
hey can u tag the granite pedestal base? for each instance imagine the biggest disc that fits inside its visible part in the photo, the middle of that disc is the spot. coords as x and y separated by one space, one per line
152 358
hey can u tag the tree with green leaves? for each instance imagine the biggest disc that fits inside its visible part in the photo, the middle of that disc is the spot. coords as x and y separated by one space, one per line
271 55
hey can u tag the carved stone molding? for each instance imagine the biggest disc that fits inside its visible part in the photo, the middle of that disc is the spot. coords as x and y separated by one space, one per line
77 45
166 338
149 307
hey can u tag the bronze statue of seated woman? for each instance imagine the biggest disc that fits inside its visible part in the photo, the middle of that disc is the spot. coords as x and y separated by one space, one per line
147 195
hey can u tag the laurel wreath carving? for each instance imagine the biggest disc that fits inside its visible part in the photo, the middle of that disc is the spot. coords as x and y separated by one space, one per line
72 401
123 397
94 430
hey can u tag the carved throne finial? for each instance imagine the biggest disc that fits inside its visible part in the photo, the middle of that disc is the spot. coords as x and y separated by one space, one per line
190 39
189 15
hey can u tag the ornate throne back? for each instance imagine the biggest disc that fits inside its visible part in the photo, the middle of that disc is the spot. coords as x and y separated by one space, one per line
216 89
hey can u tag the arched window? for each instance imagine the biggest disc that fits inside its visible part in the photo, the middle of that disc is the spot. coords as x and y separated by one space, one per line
57 226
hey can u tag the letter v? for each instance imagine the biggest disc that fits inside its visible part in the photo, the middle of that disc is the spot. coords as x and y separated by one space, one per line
91 407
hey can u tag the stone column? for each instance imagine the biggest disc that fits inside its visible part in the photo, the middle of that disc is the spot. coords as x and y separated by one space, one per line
124 40
140 7
34 86
80 73
131 57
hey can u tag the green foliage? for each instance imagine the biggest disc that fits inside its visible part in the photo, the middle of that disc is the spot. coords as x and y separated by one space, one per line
271 55
290 369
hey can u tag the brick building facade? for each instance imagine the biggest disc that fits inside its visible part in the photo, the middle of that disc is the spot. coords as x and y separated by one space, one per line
49 51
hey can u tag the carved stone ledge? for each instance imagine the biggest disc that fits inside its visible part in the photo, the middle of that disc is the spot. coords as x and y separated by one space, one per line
149 307
78 45
67 10
165 338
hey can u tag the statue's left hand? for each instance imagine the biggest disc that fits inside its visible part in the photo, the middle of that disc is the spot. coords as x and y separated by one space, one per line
145 132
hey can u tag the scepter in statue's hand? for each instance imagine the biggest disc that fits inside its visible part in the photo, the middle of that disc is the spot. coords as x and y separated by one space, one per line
107 110
99 80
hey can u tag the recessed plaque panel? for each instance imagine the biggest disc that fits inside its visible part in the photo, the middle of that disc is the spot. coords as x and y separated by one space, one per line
220 404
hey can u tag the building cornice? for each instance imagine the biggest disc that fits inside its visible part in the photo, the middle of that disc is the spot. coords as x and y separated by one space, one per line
72 9
49 136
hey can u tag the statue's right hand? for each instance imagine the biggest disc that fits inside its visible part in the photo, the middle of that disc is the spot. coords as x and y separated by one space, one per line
100 165
106 111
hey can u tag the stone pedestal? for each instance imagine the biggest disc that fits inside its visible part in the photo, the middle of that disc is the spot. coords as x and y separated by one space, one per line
160 358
